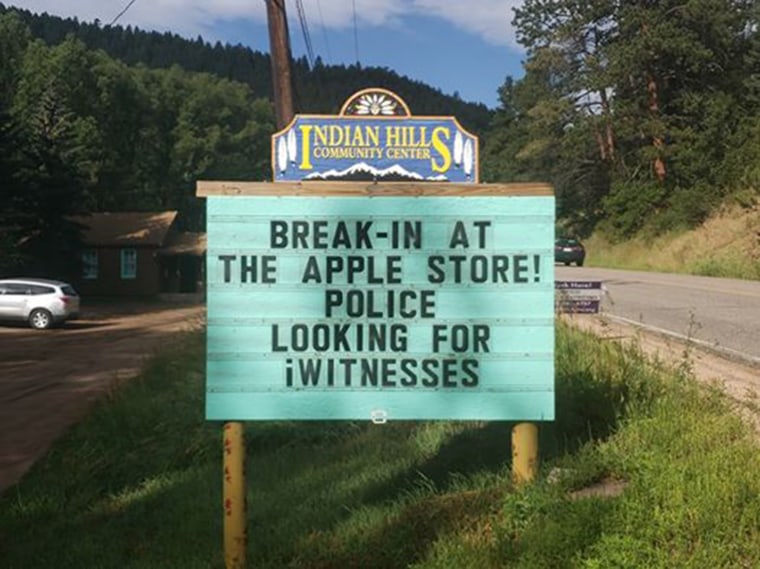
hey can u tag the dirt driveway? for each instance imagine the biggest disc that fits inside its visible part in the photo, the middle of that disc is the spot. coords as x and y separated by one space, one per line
49 378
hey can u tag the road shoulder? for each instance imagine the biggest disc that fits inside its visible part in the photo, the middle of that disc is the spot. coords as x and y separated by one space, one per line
740 380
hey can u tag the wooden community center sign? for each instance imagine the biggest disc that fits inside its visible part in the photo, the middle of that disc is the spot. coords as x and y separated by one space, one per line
377 279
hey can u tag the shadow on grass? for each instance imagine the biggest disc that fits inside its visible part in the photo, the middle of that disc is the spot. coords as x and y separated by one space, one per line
153 524
401 540
586 410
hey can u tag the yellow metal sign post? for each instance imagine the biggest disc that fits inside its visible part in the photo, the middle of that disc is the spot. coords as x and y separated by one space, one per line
524 453
235 536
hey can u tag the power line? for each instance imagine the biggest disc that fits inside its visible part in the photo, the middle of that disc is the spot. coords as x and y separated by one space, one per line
124 11
356 34
324 32
305 31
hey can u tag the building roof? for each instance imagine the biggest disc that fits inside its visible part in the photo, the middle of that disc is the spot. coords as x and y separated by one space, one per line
126 228
185 244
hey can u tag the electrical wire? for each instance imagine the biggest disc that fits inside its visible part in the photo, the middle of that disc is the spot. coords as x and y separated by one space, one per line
124 11
305 32
324 32
356 34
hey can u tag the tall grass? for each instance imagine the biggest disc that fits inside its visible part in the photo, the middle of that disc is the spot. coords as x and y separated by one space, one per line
138 484
726 245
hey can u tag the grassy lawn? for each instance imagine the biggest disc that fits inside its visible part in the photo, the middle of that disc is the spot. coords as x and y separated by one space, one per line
138 484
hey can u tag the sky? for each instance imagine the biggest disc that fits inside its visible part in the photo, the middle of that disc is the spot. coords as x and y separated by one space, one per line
458 46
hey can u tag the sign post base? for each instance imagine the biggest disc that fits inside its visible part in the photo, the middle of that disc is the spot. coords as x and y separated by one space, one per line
524 453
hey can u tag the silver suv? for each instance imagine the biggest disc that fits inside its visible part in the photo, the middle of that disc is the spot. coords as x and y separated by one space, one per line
41 302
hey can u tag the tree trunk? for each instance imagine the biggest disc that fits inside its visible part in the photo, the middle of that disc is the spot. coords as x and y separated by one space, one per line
609 132
654 110
600 144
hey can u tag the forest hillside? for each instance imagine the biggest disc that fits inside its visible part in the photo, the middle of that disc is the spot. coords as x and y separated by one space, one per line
644 116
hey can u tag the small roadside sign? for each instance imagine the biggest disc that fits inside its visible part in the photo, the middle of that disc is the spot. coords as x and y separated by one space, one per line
577 297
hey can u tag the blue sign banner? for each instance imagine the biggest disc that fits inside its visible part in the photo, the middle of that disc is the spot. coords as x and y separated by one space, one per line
375 139
382 307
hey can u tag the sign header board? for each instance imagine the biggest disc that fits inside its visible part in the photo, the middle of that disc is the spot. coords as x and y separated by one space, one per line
374 138
380 307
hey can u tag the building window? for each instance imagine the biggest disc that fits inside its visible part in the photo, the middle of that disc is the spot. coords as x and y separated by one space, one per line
128 263
90 264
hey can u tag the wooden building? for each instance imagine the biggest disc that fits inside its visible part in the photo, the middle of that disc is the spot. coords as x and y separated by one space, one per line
139 254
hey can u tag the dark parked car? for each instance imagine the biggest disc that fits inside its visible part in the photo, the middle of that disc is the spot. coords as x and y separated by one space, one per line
569 251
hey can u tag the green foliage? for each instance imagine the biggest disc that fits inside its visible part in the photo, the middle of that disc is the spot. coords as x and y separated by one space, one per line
115 119
668 501
653 209
553 534
642 115
321 89
743 154
632 109
45 153
725 266
14 39
82 132
11 228
630 205
687 207
747 198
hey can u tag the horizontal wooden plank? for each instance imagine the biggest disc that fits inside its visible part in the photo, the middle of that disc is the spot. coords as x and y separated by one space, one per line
364 189
422 405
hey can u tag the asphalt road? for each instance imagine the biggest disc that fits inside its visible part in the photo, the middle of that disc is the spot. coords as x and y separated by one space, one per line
721 314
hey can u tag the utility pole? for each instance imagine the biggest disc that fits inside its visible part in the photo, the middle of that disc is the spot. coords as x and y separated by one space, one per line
279 48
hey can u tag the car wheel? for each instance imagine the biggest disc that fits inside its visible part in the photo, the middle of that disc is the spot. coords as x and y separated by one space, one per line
567 263
579 263
40 319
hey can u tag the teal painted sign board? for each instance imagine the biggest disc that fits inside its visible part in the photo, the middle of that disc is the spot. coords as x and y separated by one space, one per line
380 307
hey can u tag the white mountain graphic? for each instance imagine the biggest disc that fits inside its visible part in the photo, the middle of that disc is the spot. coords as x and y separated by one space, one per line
364 169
